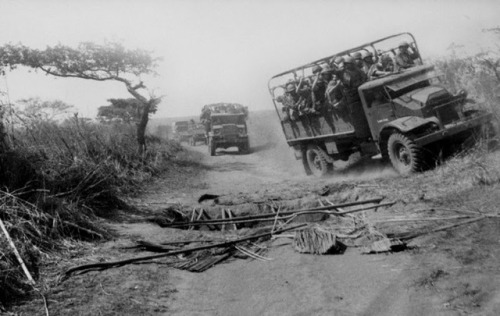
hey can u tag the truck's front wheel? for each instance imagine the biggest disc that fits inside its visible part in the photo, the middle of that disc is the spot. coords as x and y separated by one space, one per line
406 157
244 148
316 162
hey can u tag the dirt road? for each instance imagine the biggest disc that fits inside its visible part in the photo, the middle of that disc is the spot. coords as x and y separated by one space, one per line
452 273
292 283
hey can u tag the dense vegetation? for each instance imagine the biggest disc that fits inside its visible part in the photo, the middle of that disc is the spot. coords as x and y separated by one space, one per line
58 178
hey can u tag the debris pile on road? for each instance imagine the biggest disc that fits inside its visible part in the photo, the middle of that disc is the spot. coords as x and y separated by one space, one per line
346 225
200 217
316 240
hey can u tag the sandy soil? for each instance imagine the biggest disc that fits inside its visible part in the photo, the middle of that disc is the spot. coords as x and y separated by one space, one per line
450 273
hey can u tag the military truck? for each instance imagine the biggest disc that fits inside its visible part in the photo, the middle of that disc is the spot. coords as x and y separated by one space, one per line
181 131
197 134
225 125
406 116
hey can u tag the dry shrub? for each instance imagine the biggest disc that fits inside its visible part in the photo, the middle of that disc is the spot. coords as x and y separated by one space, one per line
477 165
36 230
56 181
91 163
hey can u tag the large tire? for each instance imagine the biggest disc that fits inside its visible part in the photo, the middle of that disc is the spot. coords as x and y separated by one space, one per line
305 164
211 147
406 157
316 161
244 148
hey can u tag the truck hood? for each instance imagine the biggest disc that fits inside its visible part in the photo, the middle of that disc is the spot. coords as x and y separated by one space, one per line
427 96
431 94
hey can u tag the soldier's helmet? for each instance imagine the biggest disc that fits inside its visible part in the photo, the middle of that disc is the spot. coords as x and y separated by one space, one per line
348 60
403 44
339 60
316 69
290 87
356 55
366 54
327 69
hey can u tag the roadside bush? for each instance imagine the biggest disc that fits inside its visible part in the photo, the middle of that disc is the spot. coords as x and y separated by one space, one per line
57 179
471 74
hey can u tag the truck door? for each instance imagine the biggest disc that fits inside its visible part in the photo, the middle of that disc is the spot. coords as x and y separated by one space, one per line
379 109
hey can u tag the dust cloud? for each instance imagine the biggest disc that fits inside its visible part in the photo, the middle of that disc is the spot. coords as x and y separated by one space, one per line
269 144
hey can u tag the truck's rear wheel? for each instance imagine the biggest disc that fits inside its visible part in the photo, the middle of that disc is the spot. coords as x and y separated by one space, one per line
306 164
211 147
406 157
316 161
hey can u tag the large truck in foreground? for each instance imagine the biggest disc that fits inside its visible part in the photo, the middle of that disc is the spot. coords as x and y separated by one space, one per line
408 116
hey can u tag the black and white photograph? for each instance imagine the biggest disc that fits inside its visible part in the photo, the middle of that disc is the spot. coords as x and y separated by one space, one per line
239 157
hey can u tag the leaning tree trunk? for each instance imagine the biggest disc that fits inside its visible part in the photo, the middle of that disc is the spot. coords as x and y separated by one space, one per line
141 128
147 105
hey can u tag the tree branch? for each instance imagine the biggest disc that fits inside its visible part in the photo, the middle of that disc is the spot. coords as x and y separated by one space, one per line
81 76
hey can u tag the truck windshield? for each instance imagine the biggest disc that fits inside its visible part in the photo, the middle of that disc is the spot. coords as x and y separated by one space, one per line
228 119
401 87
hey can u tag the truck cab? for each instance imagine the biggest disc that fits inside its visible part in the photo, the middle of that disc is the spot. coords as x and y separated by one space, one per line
416 106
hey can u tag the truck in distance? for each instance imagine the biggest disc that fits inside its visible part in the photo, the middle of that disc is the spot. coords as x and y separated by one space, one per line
181 131
196 133
225 125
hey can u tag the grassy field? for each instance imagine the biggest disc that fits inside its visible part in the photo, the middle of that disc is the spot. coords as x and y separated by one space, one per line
58 181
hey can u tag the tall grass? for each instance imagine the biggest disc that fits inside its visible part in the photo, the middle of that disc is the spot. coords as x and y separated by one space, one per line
56 179
471 74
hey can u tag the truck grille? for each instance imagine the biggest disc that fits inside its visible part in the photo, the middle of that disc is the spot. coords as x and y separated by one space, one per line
230 130
448 113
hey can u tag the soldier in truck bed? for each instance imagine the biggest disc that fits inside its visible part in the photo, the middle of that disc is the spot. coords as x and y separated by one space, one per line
405 58
373 70
291 102
319 88
304 91
352 76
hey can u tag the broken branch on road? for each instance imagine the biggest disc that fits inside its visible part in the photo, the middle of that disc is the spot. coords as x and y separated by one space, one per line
112 264
284 215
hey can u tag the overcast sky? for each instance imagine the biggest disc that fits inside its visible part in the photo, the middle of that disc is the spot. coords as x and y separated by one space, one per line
224 50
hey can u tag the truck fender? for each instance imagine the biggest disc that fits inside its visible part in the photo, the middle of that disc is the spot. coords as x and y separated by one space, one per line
409 123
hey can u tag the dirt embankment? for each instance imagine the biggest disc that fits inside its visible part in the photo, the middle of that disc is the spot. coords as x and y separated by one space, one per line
453 272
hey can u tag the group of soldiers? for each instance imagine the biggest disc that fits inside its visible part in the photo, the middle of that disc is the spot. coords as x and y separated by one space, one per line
220 108
331 82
